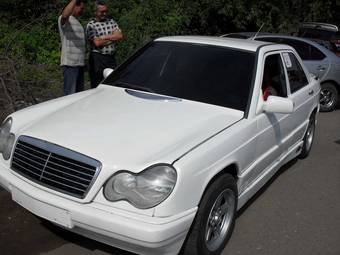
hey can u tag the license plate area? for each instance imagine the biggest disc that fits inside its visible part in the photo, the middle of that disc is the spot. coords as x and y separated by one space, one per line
42 209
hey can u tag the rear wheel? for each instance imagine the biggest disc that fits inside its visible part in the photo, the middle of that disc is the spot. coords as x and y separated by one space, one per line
308 138
328 97
215 219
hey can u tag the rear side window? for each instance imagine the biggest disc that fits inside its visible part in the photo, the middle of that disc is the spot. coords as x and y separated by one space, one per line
296 75
301 47
316 54
305 50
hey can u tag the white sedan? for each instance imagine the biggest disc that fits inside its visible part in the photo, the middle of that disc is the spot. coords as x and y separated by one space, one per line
161 155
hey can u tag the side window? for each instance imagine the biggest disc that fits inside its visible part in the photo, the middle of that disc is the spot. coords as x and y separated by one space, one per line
296 75
302 48
316 54
306 51
274 80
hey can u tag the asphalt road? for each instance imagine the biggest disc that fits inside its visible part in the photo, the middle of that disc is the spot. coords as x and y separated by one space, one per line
298 212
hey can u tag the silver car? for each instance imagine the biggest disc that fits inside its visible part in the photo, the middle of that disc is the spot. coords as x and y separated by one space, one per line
320 61
324 32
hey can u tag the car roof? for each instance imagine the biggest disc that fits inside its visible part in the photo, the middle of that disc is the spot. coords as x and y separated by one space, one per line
241 44
244 35
286 37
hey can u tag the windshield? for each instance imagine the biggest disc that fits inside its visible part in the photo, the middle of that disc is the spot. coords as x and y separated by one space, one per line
204 73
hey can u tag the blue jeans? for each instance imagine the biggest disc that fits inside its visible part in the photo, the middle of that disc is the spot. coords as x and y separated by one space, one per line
73 79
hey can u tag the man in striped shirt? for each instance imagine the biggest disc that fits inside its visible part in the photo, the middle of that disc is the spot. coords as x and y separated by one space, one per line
73 47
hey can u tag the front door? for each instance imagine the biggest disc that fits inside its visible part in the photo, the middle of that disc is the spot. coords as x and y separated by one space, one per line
272 131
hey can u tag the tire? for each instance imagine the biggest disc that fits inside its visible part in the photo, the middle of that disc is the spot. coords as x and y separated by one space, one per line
215 219
308 139
328 97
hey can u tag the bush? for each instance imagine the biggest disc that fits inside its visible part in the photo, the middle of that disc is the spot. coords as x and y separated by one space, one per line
29 30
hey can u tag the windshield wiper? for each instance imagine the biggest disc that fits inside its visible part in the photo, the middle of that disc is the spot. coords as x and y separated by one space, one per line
133 86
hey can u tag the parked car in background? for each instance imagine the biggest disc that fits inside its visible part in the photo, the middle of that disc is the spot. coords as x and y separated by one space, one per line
321 32
161 155
319 60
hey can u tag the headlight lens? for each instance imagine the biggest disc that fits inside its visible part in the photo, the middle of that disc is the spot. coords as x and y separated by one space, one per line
144 190
6 139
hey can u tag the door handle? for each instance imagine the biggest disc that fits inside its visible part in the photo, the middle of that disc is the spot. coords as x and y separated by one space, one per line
311 92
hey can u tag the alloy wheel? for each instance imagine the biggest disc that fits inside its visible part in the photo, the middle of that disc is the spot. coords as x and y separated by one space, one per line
220 219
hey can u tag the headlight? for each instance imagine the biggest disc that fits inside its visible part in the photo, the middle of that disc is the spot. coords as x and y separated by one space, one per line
144 190
6 139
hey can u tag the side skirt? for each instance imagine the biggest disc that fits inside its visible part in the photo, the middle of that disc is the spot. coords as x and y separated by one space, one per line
266 175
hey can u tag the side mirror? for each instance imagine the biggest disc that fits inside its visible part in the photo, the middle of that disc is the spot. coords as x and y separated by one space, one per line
276 104
107 72
314 76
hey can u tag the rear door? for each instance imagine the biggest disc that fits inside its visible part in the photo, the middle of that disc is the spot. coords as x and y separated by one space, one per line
302 93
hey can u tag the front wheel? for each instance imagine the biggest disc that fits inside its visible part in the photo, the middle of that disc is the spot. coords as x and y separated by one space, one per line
215 219
328 97
308 138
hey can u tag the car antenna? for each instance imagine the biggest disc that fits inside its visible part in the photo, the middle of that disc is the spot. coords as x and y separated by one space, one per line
253 38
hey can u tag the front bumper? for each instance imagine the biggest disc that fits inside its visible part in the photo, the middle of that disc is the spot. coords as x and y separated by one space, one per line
129 231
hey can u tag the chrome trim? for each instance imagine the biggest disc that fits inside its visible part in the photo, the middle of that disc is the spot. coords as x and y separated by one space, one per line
150 96
34 150
52 155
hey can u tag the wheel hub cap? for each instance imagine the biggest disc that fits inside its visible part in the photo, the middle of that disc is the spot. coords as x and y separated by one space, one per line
326 97
220 219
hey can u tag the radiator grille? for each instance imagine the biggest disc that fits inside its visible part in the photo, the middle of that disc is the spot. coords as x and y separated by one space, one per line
55 167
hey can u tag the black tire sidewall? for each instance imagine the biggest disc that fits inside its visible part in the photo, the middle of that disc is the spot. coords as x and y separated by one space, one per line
196 236
305 152
333 89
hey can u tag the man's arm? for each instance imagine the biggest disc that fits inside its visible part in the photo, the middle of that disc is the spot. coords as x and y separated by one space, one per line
67 12
107 39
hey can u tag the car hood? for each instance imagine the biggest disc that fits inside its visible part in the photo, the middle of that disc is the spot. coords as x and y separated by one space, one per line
127 129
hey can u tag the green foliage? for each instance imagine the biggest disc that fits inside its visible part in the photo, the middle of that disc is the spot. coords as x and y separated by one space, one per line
40 81
29 29
146 21
29 32
36 45
35 38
